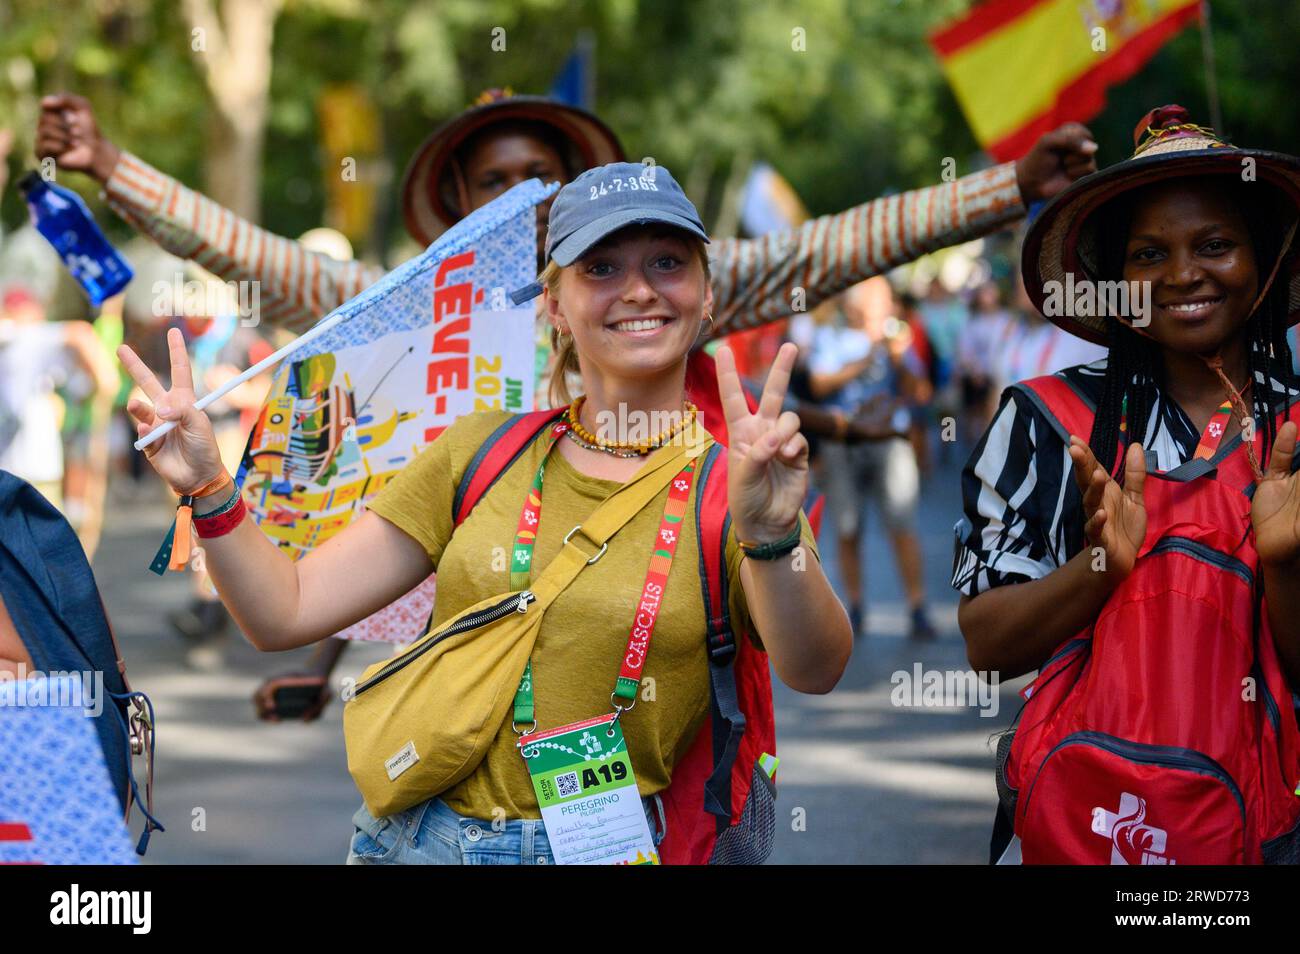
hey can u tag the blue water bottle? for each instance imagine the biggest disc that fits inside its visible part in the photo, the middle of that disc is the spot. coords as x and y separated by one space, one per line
62 217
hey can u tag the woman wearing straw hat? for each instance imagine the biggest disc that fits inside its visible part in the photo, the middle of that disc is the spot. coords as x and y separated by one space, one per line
1181 441
628 282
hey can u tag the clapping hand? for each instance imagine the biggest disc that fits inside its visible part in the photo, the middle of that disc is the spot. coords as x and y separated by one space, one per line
1115 517
1275 507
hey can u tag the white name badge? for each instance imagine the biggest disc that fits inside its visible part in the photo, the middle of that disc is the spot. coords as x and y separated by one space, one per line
583 778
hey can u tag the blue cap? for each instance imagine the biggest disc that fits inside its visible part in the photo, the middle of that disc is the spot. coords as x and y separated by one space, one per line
607 198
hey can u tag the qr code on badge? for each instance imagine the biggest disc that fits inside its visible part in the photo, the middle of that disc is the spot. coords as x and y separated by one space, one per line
567 784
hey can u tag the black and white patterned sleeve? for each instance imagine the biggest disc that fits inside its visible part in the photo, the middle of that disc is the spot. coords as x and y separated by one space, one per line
1021 509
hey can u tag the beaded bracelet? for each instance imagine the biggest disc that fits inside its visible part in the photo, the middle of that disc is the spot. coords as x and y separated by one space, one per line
775 550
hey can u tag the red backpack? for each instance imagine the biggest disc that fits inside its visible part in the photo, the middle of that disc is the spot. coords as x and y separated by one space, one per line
721 805
1165 732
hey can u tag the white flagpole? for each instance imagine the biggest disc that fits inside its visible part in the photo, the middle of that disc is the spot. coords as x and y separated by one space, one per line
305 338
1211 80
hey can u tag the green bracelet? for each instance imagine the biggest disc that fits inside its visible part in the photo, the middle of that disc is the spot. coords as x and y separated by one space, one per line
776 550
224 508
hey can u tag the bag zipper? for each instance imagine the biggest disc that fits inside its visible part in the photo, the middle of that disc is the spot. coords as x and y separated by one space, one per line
1072 646
513 604
1270 704
1199 551
1166 755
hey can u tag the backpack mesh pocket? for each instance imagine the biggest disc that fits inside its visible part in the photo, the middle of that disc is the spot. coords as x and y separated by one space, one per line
749 841
1284 849
1006 794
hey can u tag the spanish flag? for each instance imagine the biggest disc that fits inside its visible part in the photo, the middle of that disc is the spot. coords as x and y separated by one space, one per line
1022 67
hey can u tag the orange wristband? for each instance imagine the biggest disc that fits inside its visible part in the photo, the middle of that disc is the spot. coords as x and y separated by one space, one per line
181 543
212 486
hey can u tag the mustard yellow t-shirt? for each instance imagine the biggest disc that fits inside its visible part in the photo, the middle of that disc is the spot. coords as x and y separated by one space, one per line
583 635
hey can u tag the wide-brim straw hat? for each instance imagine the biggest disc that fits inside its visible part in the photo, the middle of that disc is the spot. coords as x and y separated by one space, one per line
429 191
1063 238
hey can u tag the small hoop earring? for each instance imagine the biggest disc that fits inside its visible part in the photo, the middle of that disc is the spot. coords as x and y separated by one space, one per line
712 326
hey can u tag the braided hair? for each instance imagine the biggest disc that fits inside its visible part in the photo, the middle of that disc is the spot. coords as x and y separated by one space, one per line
1134 369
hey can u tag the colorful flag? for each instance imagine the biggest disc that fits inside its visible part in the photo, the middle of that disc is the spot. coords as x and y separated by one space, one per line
1020 68
433 340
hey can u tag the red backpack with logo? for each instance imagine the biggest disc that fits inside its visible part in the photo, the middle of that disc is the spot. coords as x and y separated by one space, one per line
1164 733
721 805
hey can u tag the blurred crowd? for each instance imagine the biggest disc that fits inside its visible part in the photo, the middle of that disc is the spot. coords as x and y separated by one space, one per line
929 364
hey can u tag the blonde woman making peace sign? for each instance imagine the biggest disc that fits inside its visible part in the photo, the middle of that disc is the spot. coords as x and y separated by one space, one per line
626 280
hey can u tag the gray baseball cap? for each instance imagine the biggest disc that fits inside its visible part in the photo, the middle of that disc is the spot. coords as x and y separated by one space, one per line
607 198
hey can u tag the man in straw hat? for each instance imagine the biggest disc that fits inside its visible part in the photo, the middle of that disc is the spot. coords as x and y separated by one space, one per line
1196 394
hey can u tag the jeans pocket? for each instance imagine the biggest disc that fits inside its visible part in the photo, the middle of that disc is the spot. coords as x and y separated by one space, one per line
365 850
374 840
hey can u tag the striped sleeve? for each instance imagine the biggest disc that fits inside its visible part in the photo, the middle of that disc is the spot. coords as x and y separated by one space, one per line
1022 512
295 286
756 280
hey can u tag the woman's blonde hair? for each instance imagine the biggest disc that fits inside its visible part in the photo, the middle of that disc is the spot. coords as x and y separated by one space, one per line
566 355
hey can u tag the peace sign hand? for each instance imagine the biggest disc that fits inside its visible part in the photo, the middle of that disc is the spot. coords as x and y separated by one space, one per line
767 460
1275 507
187 457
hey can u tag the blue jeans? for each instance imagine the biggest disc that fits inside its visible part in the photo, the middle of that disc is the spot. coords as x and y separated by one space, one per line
430 833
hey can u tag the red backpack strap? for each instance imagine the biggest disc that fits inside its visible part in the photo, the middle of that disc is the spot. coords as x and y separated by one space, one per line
499 451
1067 409
814 504
712 522
702 389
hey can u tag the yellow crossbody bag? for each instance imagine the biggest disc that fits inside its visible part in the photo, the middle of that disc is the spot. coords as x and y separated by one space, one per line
422 721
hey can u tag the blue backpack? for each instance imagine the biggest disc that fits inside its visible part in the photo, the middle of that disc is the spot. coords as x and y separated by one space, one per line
50 593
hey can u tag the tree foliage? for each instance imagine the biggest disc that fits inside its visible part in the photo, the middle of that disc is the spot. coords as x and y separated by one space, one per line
852 106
